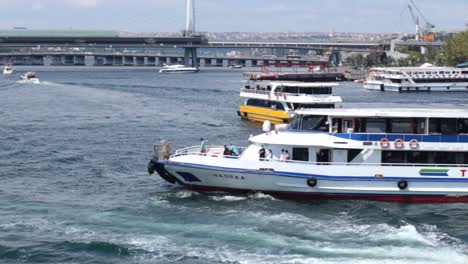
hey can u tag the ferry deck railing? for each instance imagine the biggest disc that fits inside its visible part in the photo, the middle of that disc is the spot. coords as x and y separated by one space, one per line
283 94
217 151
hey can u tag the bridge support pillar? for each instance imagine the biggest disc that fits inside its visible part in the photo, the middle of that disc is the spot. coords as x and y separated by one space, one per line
190 57
335 57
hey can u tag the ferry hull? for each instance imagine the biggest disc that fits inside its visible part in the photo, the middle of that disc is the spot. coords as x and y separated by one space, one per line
338 196
420 87
328 186
259 114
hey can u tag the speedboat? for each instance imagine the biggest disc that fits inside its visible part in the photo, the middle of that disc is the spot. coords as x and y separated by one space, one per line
8 69
235 66
177 68
396 155
29 77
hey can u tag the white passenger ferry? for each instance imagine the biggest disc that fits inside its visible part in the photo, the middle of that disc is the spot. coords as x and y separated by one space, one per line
275 101
403 155
424 78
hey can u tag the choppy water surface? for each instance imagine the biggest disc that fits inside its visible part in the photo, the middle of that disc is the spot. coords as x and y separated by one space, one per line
73 154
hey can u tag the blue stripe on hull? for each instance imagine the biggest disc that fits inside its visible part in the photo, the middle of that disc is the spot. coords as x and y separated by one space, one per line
415 178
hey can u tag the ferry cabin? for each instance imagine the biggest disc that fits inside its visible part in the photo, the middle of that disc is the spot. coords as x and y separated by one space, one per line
376 136
402 79
276 101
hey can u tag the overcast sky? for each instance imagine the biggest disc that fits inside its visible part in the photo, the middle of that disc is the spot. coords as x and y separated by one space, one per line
231 15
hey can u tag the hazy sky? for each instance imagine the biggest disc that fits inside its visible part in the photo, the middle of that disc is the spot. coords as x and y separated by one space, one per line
231 15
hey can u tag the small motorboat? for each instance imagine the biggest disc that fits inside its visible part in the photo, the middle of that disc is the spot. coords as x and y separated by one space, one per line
8 69
177 68
29 77
235 66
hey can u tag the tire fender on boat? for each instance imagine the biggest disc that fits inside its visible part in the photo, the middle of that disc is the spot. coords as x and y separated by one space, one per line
402 184
311 182
151 167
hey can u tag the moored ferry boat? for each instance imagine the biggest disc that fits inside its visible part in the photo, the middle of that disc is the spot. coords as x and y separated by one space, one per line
424 78
402 155
275 101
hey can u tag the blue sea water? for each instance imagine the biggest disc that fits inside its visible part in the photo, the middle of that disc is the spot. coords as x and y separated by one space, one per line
74 186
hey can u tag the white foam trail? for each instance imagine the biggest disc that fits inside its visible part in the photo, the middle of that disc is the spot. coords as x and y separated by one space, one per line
228 198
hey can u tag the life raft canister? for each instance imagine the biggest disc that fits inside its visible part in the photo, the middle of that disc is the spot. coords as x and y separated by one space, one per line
413 144
399 143
384 143
311 182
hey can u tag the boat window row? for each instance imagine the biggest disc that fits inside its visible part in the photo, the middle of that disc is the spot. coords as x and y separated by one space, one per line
425 157
304 90
299 105
264 104
437 126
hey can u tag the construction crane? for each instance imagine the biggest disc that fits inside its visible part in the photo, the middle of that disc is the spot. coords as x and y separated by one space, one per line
424 32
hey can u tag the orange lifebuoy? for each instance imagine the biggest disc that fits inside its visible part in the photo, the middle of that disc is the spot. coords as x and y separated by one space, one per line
413 144
399 143
384 143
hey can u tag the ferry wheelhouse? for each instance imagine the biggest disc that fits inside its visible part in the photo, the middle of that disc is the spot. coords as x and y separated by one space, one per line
424 78
275 101
403 155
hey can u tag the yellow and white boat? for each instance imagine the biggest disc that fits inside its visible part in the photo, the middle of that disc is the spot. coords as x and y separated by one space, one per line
276 101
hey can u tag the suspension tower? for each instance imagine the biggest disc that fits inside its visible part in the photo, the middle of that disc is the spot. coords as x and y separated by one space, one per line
190 56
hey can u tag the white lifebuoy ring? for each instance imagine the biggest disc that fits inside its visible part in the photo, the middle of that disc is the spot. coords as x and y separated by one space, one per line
384 143
413 144
399 143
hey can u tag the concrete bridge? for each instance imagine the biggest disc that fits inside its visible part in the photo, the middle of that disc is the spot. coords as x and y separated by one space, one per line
15 40
103 58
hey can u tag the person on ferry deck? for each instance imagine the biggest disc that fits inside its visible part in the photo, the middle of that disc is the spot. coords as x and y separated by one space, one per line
202 145
286 155
261 153
269 154
234 150
227 152
282 155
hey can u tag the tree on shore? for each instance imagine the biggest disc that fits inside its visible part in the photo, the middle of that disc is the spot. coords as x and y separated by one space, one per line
455 51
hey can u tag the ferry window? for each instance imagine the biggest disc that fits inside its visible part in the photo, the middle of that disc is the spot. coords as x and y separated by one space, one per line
444 126
290 89
463 126
420 126
298 106
314 123
276 105
393 157
401 125
300 154
352 153
448 126
445 157
295 123
418 157
376 125
257 102
323 155
321 90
